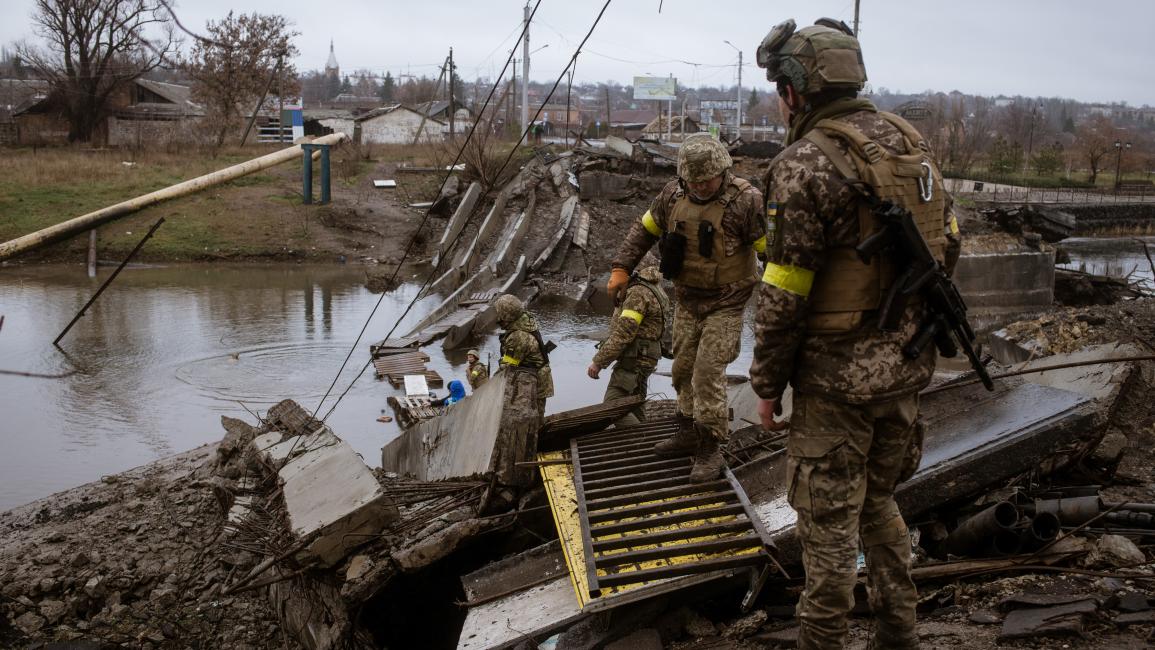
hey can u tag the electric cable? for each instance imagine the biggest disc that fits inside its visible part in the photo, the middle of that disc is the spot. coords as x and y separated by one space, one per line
508 158
413 240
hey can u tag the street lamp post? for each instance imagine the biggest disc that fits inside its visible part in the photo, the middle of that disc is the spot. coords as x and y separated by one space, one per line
1119 147
738 126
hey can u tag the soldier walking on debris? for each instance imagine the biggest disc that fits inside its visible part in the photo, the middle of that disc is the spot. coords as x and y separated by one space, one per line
522 348
819 327
710 225
634 344
476 372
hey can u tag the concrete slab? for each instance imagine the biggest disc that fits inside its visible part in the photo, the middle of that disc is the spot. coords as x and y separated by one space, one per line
457 221
333 500
458 443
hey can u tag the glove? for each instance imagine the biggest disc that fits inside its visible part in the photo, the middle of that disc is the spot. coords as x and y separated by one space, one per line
619 281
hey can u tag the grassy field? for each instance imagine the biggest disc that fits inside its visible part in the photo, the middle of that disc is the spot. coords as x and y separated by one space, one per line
255 216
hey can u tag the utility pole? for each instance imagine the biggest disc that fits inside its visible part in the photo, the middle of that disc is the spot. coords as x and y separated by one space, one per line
512 100
525 74
739 93
608 122
452 108
856 18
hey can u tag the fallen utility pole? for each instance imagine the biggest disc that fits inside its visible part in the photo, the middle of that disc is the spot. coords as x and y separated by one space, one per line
135 250
62 231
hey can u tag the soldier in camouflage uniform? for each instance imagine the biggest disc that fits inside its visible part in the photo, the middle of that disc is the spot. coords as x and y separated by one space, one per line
522 348
634 344
475 370
853 431
710 224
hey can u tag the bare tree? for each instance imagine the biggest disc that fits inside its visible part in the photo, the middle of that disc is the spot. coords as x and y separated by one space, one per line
1094 139
233 66
94 49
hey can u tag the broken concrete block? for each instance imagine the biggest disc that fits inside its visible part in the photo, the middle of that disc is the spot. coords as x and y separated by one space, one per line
358 566
1114 551
1132 602
262 442
1060 620
333 499
1136 618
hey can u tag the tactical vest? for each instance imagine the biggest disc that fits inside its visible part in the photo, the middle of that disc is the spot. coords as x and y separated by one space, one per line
646 352
527 364
717 269
846 288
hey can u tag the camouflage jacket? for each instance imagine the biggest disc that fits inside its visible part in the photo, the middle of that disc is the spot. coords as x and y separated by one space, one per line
477 374
640 317
743 224
813 210
519 348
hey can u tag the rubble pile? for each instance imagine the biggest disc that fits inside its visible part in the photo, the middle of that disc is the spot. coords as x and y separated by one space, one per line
1067 329
131 562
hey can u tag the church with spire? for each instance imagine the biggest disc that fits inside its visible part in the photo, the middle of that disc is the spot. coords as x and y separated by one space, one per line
332 69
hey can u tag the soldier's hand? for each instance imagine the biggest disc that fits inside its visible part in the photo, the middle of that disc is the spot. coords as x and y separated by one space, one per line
593 371
619 282
767 409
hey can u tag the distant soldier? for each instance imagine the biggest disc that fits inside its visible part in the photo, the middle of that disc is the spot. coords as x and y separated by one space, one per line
710 225
476 372
634 344
522 348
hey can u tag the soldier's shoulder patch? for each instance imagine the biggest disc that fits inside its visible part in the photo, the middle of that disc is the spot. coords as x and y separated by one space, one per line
772 209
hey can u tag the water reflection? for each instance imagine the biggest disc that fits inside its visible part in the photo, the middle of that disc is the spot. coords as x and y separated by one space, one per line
1120 257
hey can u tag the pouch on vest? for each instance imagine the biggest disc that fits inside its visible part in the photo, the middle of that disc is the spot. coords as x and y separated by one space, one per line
672 246
705 239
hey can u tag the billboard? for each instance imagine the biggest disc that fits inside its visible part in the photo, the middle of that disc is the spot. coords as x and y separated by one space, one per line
655 88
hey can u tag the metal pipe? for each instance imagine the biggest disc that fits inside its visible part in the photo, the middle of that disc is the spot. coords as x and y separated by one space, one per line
1043 529
986 532
1071 511
62 231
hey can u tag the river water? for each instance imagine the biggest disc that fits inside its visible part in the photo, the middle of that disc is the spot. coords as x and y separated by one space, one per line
168 350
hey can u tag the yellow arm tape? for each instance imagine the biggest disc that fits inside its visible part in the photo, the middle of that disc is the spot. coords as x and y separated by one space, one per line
650 225
789 278
631 314
953 225
510 361
760 244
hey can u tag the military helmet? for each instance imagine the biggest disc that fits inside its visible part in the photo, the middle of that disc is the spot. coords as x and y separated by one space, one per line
508 308
473 353
824 55
650 273
701 158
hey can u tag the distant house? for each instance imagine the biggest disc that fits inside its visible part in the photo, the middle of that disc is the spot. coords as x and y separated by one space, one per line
323 121
439 110
630 123
157 114
143 113
657 127
397 125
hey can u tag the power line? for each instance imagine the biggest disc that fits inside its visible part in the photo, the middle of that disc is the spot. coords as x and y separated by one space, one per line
409 249
480 200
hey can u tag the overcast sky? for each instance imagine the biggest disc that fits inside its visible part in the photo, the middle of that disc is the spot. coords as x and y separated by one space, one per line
1091 51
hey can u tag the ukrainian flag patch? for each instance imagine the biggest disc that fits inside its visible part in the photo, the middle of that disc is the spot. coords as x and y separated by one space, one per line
772 209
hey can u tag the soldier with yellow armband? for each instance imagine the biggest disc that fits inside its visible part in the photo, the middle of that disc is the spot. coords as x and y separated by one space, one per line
634 344
825 326
710 226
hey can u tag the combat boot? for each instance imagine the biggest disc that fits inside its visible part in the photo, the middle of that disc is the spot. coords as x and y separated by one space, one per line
683 443
708 462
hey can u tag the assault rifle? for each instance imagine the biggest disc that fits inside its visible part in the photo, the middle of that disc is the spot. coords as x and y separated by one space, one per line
946 320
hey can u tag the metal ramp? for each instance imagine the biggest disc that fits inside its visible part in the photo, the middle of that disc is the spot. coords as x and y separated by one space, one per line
628 518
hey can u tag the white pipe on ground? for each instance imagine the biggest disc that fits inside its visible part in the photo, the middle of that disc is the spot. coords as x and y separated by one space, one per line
61 231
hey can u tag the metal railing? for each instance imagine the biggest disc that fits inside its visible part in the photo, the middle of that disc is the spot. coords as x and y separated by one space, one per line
981 191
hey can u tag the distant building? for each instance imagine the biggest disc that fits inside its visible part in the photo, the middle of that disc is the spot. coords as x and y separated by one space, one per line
439 110
332 68
397 125
657 128
143 113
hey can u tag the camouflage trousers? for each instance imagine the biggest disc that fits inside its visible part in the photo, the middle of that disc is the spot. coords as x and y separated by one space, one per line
843 463
703 347
624 383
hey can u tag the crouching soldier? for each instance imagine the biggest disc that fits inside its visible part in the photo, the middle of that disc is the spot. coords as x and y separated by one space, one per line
522 348
634 344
